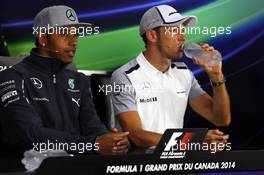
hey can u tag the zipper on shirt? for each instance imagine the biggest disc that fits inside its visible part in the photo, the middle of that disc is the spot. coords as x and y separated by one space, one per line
54 79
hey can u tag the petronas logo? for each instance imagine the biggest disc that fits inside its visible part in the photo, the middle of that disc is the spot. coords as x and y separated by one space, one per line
71 83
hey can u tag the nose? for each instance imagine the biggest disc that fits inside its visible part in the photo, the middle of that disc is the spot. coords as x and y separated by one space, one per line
72 40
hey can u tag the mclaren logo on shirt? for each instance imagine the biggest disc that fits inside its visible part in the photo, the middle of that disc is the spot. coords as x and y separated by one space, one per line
146 85
147 100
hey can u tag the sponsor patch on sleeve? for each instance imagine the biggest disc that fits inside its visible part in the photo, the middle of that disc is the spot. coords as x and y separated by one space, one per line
8 95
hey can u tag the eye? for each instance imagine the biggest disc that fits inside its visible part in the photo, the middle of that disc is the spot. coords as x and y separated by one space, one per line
182 30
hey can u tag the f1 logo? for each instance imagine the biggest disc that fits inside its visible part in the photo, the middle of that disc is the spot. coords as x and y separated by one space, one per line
173 140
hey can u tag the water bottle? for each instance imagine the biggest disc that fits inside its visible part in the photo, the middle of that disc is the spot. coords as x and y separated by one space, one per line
195 50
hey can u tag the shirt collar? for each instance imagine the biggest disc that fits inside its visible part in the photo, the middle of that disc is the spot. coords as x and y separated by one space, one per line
141 59
170 71
43 63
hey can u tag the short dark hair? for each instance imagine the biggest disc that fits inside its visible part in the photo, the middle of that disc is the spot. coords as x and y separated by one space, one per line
144 37
37 44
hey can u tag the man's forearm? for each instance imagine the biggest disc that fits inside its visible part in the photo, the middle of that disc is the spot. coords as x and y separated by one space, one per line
221 103
144 138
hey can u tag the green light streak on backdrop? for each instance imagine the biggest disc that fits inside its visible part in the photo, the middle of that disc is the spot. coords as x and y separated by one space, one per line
109 50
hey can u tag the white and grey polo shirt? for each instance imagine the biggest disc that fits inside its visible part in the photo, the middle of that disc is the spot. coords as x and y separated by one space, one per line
159 98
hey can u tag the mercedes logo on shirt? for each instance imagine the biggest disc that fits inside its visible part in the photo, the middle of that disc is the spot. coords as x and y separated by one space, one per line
70 15
36 82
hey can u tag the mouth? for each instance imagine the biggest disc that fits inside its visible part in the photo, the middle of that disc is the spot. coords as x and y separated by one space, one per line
181 47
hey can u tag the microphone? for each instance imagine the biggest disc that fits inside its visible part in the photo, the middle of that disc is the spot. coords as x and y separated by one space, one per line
49 49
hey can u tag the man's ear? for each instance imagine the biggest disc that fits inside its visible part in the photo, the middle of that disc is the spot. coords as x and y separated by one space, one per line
42 40
152 36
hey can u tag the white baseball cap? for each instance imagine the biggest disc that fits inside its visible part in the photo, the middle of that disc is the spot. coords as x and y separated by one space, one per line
164 15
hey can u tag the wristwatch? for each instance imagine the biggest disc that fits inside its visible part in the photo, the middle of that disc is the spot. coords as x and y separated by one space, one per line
218 83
